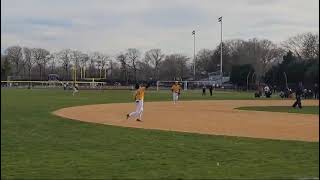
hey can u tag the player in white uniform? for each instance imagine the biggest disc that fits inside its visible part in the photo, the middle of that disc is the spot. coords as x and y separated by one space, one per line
75 89
139 98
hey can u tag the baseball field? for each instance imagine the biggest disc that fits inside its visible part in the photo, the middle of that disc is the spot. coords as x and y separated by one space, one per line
50 134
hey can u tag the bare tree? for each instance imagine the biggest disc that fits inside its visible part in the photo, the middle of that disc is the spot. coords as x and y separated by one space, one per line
241 52
84 58
96 60
76 60
174 67
205 63
146 72
133 55
266 52
104 64
5 67
14 55
65 60
311 46
92 64
182 65
304 46
29 60
40 58
76 56
154 57
122 58
261 54
114 68
52 60
115 71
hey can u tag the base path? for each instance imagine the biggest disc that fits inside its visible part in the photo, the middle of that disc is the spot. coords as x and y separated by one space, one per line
216 117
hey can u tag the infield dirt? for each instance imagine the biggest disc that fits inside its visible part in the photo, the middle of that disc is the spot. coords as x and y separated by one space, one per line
217 117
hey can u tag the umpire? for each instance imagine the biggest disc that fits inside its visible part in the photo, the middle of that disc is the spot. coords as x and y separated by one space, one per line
299 92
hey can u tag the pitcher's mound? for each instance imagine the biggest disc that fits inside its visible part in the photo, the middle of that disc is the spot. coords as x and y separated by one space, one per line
206 117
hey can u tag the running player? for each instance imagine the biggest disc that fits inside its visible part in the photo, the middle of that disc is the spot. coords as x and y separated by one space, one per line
75 89
139 97
176 88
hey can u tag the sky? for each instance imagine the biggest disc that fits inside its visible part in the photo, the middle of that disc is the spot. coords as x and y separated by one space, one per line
112 26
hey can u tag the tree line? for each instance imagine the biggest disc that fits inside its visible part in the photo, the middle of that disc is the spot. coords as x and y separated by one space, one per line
257 60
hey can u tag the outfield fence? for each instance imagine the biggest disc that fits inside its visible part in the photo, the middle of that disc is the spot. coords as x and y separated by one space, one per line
190 85
49 84
90 85
64 85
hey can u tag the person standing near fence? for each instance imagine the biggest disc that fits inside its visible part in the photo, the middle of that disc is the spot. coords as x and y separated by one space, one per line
316 91
298 92
274 89
210 89
204 90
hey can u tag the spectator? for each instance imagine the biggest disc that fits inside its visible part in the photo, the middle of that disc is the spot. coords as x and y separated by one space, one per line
267 91
310 94
210 89
286 93
204 90
290 93
305 93
316 91
274 88
282 94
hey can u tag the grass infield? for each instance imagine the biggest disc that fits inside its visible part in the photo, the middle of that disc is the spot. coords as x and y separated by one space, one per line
38 145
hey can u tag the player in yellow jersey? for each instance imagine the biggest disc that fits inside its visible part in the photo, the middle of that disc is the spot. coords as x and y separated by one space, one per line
139 98
176 88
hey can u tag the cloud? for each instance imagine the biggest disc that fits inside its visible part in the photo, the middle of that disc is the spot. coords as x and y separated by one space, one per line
111 26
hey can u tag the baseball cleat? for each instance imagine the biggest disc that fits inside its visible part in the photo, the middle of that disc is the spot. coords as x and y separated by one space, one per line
139 120
128 116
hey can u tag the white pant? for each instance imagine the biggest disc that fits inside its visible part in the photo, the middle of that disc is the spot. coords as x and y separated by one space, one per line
139 110
175 97
74 91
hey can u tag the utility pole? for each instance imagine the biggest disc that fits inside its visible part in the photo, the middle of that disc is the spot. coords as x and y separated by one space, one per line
221 73
285 77
194 54
248 80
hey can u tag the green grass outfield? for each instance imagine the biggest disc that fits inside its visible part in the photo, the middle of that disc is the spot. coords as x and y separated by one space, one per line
304 110
38 145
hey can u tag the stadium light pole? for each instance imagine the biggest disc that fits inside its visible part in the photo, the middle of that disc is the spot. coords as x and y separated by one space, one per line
248 80
194 54
220 20
285 77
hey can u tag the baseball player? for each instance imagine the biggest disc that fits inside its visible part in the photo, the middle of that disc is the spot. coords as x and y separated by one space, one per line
139 97
176 88
75 89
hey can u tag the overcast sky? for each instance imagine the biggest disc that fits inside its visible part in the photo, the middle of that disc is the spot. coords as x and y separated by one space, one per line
112 26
